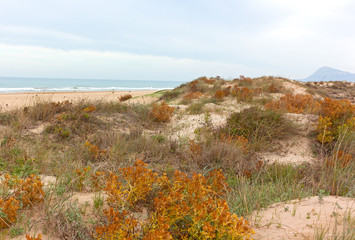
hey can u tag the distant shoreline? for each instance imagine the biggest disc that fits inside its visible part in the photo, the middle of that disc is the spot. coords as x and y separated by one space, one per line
10 101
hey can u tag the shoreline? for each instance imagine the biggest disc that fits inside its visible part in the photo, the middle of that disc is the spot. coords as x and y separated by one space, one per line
10 101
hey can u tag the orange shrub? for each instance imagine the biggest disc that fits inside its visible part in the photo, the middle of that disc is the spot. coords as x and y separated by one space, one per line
335 117
246 80
29 237
28 191
98 180
273 88
59 104
195 148
138 178
237 140
81 176
162 112
193 95
193 208
8 210
25 192
183 207
95 151
193 85
244 93
219 94
125 97
90 108
336 109
294 104
208 81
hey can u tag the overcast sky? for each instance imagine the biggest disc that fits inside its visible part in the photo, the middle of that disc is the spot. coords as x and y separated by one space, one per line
175 39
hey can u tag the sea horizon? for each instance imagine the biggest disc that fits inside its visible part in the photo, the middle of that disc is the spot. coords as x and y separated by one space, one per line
38 84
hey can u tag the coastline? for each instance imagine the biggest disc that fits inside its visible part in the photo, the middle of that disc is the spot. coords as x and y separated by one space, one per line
10 101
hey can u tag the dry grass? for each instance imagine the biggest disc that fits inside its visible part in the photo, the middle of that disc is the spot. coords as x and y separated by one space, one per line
73 141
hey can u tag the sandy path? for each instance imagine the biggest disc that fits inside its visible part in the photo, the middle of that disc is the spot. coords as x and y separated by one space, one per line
9 101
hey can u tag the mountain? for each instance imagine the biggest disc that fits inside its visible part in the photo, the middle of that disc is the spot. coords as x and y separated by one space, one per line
330 74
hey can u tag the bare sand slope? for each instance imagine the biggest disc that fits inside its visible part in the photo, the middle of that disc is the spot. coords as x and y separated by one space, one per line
306 219
9 101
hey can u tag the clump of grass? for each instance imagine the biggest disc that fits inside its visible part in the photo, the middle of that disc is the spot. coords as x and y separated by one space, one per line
195 108
271 184
260 127
7 118
170 95
67 222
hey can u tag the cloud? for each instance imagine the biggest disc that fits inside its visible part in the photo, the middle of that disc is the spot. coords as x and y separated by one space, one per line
279 37
32 61
19 31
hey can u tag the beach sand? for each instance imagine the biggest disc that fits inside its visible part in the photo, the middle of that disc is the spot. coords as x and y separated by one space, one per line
10 101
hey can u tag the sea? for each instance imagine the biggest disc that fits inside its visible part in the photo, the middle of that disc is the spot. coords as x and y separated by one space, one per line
25 84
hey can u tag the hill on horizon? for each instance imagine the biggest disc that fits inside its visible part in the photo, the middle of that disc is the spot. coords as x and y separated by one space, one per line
330 74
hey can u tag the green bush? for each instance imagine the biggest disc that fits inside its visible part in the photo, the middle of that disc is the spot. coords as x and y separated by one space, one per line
260 127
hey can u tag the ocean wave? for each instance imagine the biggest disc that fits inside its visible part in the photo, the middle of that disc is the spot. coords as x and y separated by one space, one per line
78 89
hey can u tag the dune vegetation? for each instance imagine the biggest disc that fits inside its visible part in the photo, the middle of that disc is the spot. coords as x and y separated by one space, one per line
200 162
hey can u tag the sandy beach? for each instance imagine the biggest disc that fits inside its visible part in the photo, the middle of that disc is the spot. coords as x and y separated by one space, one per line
9 101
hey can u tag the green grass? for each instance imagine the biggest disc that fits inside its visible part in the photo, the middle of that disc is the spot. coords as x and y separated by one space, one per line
260 127
274 183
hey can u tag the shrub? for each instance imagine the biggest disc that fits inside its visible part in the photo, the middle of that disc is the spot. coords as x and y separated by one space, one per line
169 95
6 119
193 85
192 95
28 191
195 148
90 108
273 88
208 81
258 126
237 140
162 112
125 97
183 207
25 192
95 151
336 116
44 111
294 104
195 108
337 110
81 175
219 94
8 211
29 237
244 93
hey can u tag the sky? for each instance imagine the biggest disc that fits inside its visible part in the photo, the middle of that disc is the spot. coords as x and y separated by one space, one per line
175 39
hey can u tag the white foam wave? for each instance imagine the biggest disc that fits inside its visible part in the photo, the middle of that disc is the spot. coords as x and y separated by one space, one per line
79 89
